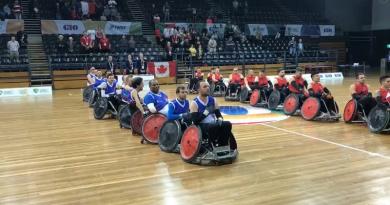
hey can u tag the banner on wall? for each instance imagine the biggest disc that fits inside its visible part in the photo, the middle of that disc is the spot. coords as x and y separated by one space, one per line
162 69
310 30
11 26
327 30
78 27
293 30
258 28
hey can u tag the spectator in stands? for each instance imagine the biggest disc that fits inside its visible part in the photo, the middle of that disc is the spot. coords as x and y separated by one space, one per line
300 47
140 64
17 9
87 43
6 13
21 37
104 44
34 8
229 44
166 11
192 51
175 39
153 11
277 35
200 51
167 33
70 44
129 65
169 50
84 9
212 46
92 9
292 46
13 49
156 19
61 44
132 44
194 14
123 44
111 65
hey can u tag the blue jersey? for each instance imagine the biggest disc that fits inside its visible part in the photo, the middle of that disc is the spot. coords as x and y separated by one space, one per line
159 100
180 107
110 89
126 95
98 82
202 106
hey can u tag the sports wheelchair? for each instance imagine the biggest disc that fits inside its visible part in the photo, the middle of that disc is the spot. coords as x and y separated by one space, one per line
379 119
106 105
171 133
316 109
355 112
201 146
231 93
293 103
218 89
87 93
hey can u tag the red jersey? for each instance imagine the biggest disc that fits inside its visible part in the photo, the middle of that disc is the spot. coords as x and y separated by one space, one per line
318 88
236 78
104 43
300 82
86 41
262 81
250 79
281 82
385 95
361 88
217 76
198 75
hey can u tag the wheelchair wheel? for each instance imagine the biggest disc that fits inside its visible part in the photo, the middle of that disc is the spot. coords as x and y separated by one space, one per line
151 127
190 144
100 108
212 89
92 99
124 116
136 122
274 100
291 104
87 93
170 135
244 94
311 108
255 97
378 119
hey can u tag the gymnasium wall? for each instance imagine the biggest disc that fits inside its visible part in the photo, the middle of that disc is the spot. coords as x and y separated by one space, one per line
380 14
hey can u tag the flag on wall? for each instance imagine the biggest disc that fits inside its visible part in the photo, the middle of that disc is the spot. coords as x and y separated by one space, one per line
162 69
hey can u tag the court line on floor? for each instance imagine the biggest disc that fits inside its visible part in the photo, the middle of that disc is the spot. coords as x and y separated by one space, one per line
327 141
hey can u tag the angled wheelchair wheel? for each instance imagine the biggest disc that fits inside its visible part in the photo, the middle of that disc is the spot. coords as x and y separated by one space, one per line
92 99
350 111
170 135
190 144
100 108
291 104
136 122
124 116
87 93
255 98
378 119
274 100
151 127
212 89
244 95
310 108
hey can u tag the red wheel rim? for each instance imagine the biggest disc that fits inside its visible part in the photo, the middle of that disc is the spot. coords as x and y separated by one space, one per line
290 104
151 127
136 122
190 143
350 111
310 108
255 97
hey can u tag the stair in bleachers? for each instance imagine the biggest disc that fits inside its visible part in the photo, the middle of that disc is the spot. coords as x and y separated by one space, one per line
219 11
183 70
287 12
138 15
40 73
32 23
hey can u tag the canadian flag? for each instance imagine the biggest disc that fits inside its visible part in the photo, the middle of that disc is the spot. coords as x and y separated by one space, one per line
162 69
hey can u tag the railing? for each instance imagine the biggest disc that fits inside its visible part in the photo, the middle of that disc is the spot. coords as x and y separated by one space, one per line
255 58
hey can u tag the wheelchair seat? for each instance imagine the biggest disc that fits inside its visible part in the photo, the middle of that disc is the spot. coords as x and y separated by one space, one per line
217 89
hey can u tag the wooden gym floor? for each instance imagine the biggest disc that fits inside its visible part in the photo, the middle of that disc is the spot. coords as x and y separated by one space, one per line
53 152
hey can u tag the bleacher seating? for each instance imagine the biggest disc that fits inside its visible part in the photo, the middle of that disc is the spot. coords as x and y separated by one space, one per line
77 60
